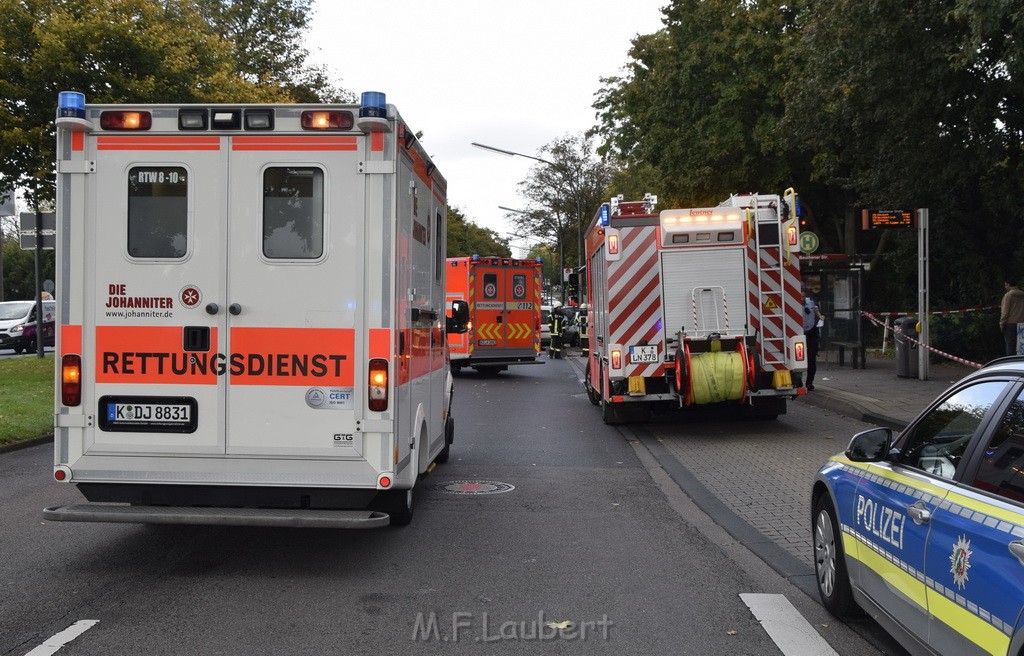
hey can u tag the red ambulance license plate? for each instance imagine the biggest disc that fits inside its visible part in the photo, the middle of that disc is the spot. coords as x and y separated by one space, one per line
176 414
643 354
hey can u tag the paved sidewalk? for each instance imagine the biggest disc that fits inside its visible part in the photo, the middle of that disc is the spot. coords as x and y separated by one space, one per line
876 394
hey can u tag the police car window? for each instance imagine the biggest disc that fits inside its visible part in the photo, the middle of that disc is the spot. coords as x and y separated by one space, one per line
1001 466
293 213
157 211
938 442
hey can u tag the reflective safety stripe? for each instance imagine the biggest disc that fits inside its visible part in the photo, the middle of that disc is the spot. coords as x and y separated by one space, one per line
975 625
894 571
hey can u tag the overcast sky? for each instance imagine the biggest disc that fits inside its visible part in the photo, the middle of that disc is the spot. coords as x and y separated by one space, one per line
515 75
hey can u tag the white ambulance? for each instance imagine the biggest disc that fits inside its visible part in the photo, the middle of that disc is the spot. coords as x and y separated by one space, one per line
251 317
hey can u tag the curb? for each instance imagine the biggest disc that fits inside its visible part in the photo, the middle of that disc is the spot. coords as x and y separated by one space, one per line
823 399
24 444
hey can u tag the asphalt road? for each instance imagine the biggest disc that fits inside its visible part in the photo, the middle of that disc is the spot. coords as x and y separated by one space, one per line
596 532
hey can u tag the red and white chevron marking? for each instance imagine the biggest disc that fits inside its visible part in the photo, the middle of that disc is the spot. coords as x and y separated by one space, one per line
775 311
634 291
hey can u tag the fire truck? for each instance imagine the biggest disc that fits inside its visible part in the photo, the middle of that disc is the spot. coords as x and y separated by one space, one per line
504 299
251 329
695 307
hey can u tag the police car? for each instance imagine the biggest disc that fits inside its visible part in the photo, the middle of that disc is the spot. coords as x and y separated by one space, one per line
924 530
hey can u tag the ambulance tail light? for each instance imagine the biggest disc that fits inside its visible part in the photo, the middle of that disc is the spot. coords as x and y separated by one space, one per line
327 120
378 385
120 120
71 380
61 474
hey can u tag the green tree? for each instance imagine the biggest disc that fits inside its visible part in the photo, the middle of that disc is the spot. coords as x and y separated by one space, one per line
466 238
694 118
128 50
19 279
266 36
563 191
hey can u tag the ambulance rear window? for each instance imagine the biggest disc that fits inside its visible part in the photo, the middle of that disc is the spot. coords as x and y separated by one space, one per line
293 213
157 211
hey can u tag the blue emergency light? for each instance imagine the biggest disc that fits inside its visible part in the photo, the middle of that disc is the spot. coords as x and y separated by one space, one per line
374 104
71 104
540 260
604 214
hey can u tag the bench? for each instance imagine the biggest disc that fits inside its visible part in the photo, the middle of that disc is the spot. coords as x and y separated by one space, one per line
855 350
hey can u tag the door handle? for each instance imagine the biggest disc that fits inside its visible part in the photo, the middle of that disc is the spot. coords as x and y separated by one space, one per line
1017 549
919 513
235 309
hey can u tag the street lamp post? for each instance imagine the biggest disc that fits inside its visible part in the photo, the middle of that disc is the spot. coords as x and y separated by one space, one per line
579 220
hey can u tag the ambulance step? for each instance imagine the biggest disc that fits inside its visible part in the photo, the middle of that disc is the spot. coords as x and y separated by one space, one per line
293 517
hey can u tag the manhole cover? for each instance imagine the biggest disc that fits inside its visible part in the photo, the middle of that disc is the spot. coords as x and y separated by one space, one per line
473 487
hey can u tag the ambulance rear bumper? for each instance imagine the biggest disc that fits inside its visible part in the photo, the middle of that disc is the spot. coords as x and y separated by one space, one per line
283 517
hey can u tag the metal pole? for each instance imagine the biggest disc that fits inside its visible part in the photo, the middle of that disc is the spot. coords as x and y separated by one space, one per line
922 291
39 282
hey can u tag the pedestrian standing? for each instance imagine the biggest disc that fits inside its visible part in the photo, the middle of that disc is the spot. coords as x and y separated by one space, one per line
1011 313
812 322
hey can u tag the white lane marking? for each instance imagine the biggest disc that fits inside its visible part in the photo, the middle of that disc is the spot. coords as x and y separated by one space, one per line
53 643
784 624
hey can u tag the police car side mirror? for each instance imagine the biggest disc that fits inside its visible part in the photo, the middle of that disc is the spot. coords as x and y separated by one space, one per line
456 323
870 445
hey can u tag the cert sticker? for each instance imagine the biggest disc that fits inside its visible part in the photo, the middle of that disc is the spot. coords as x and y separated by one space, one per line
330 398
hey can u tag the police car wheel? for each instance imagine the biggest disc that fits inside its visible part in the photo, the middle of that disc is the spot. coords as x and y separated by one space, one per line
830 562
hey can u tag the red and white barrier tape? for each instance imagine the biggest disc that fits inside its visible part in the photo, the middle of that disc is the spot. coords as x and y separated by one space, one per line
965 310
897 331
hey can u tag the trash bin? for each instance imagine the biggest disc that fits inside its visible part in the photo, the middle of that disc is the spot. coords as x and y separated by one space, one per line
907 365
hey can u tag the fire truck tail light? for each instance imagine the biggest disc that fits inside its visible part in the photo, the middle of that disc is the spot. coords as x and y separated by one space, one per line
378 385
613 244
791 235
799 351
71 380
327 120
616 359
126 120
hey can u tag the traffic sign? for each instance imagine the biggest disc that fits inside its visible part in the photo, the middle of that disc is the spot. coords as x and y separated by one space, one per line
808 242
28 221
28 240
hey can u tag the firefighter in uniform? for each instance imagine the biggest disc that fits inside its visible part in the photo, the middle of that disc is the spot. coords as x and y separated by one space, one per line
555 324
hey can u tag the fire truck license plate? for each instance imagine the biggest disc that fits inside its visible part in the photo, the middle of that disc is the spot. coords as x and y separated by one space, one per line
639 354
143 414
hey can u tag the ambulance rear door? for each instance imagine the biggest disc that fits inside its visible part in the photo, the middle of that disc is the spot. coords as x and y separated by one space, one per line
295 295
153 254
504 310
